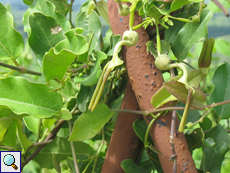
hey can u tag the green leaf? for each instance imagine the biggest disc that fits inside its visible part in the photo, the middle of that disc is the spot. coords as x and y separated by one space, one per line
42 39
61 6
25 142
11 41
221 80
193 32
140 128
222 46
61 148
60 58
10 138
179 90
163 96
28 2
90 123
96 71
6 119
65 114
194 139
83 98
25 97
48 9
214 155
130 167
91 25
32 123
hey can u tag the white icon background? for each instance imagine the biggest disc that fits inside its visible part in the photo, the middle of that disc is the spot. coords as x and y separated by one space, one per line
5 168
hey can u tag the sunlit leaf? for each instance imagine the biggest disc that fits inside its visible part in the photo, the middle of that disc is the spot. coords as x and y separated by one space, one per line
62 55
47 8
25 97
91 25
42 39
193 32
90 123
11 41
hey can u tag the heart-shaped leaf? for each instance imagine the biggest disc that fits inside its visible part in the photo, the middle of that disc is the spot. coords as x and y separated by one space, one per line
179 90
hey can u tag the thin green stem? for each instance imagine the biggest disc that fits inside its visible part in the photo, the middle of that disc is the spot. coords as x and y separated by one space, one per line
7 148
73 150
84 171
20 69
186 110
146 145
99 150
131 20
16 62
158 38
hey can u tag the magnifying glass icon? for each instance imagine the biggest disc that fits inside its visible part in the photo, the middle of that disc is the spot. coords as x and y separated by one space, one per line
9 160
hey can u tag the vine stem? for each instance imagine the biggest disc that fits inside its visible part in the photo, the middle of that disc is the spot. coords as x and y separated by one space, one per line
70 13
49 137
73 149
186 110
166 109
20 69
171 141
146 146
225 11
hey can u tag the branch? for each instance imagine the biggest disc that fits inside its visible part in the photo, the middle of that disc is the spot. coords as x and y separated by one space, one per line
171 141
49 137
225 11
20 69
166 109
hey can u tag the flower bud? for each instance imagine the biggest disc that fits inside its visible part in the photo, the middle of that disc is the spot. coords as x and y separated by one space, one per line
206 56
131 37
124 11
162 62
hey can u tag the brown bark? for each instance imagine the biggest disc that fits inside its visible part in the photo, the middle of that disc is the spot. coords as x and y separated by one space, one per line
124 143
146 80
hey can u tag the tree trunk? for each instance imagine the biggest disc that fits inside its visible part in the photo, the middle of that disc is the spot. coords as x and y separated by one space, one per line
124 143
146 80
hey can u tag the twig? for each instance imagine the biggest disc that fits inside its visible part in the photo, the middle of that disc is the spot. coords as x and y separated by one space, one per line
225 11
171 141
188 65
70 13
7 148
20 69
166 109
73 149
49 137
